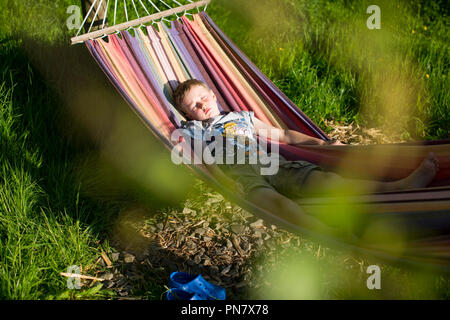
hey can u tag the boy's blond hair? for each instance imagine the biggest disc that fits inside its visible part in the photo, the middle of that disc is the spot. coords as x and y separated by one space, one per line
182 89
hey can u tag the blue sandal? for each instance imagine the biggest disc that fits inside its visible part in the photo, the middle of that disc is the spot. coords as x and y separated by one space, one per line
196 284
178 294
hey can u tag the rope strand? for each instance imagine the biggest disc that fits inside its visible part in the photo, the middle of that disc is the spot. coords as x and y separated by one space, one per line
148 13
106 13
125 7
165 4
154 5
169 8
95 16
115 10
85 18
135 9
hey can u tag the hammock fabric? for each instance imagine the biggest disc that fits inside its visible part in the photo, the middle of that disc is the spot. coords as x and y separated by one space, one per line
145 69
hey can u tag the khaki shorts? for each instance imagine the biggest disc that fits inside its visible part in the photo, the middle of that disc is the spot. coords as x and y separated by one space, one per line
289 180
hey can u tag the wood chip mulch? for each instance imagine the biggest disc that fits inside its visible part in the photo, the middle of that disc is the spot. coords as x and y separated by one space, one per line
215 239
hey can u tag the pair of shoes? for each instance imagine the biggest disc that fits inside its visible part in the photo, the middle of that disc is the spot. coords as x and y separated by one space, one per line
195 287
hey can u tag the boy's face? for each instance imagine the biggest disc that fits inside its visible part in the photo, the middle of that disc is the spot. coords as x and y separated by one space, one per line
200 103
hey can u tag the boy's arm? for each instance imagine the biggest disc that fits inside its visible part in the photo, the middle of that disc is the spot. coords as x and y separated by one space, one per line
287 136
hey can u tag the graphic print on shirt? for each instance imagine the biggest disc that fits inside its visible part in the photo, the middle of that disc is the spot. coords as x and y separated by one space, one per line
237 135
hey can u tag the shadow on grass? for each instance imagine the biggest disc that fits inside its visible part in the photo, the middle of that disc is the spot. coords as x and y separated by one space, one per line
90 155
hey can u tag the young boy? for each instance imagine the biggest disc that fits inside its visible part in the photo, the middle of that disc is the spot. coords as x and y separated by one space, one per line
293 179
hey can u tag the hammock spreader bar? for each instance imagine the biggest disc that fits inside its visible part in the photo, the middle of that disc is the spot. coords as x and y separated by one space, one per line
136 22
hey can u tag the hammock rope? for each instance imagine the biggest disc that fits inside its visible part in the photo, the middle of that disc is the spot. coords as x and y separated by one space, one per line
125 8
145 8
106 14
115 11
139 21
95 16
146 68
154 6
86 17
170 8
135 9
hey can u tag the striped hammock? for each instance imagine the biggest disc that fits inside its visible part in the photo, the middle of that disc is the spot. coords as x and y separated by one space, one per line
146 68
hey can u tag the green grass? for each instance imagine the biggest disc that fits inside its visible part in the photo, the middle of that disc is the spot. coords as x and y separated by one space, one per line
45 226
319 53
322 55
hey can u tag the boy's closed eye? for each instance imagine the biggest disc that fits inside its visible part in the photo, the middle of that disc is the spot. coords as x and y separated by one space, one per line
194 104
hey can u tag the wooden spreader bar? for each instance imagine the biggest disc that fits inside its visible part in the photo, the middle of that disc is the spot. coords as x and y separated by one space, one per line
137 22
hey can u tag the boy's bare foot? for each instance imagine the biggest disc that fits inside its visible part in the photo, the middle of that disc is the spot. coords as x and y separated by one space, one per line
423 175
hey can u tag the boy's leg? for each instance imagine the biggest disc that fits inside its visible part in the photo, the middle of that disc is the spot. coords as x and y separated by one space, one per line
287 209
328 183
320 182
